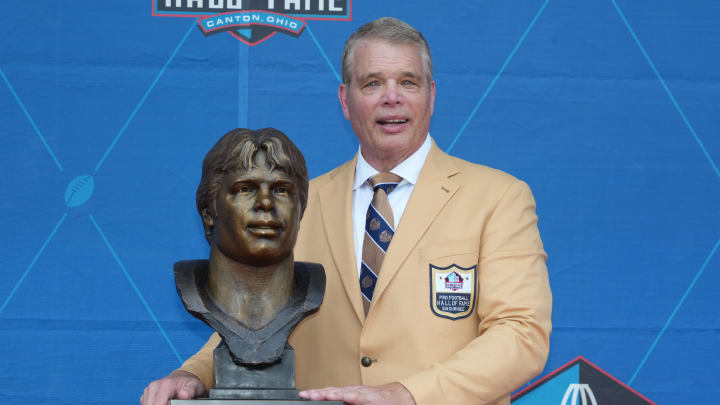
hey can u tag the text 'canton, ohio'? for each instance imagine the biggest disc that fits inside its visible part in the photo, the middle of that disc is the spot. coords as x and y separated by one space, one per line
261 18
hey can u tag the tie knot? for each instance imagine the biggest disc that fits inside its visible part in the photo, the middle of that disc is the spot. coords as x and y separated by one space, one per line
385 181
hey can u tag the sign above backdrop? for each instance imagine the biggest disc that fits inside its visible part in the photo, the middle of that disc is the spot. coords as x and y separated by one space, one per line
254 21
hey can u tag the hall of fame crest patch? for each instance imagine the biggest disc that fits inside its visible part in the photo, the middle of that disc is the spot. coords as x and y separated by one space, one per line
452 291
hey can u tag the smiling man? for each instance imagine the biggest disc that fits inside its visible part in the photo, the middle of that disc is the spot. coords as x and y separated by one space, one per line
437 289
389 99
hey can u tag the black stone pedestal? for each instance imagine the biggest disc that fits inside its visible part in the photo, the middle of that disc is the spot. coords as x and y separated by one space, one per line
274 381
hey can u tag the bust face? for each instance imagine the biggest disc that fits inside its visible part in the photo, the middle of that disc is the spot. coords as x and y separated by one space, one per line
257 214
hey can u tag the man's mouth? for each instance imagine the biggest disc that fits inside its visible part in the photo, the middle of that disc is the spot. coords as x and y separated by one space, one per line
392 122
393 125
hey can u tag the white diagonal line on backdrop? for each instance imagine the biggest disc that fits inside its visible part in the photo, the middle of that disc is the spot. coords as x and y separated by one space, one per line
32 263
497 75
137 291
667 89
32 122
322 52
674 312
145 96
712 164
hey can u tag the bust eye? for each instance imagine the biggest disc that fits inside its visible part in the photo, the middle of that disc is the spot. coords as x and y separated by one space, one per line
241 188
282 190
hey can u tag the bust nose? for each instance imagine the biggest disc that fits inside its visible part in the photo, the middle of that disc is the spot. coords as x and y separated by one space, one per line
263 201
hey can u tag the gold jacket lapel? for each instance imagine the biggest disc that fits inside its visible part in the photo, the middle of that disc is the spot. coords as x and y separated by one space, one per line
432 191
336 207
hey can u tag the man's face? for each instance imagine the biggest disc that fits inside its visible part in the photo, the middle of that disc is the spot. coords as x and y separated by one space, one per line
389 100
257 214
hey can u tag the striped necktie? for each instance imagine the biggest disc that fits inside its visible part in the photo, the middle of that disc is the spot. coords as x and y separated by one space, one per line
379 230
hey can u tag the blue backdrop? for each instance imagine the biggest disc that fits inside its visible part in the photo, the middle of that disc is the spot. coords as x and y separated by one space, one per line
609 109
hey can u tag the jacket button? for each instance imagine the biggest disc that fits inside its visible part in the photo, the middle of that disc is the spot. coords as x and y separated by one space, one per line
366 361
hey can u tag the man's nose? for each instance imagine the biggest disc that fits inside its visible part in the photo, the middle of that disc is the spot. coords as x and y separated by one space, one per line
392 94
263 200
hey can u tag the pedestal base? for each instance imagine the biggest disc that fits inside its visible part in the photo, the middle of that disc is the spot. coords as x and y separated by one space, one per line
263 394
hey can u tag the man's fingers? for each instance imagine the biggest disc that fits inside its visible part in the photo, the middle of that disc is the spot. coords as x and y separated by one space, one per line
322 394
157 393
150 394
186 393
345 394
179 384
315 395
389 394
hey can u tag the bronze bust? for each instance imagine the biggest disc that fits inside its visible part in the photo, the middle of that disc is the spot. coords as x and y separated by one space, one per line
251 198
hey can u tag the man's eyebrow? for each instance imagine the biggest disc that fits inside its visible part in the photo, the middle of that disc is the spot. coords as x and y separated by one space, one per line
411 74
379 75
370 76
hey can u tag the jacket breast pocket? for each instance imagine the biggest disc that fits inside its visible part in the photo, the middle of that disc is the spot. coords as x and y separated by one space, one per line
453 277
463 252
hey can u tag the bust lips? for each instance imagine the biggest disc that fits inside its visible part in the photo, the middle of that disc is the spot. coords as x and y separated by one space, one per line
265 229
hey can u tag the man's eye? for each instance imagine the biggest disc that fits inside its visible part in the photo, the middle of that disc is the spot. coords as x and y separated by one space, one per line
373 83
407 83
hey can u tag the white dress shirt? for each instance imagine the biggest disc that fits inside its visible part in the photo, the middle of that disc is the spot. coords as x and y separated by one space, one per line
408 169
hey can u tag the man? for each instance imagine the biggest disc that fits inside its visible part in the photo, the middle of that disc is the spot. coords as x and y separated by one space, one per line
460 310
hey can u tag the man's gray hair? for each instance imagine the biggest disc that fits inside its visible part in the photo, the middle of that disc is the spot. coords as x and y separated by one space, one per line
391 30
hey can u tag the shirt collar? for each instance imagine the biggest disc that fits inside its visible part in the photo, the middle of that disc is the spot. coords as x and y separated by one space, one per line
409 169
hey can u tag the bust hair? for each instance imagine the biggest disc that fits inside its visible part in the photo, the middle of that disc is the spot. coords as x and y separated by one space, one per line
236 150
393 31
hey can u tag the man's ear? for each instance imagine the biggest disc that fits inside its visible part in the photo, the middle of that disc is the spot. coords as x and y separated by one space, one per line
208 223
342 95
432 97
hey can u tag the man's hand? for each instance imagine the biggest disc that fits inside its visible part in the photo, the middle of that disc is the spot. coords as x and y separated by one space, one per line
390 394
178 385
